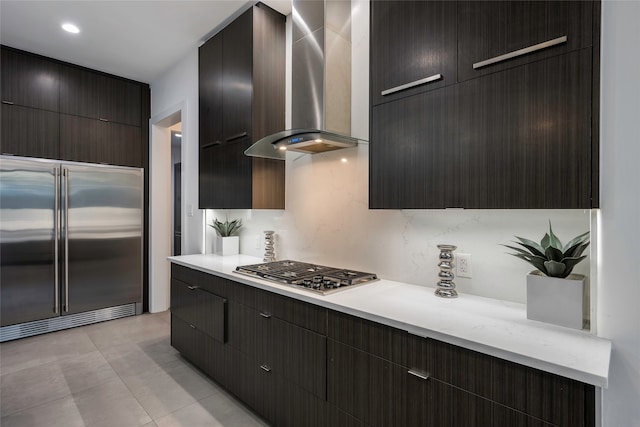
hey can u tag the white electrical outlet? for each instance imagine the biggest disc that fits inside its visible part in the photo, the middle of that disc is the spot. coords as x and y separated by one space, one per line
463 265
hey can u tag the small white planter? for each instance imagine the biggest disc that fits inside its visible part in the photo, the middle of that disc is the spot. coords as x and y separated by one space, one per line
554 300
226 245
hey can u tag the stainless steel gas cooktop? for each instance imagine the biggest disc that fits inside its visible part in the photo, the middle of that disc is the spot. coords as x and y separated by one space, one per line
313 277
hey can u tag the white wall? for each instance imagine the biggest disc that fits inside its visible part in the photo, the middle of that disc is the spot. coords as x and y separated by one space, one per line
174 98
618 258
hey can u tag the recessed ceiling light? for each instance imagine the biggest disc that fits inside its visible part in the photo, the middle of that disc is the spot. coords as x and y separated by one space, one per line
70 28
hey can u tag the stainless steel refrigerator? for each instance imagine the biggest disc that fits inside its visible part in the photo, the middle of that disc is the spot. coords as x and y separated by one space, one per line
70 244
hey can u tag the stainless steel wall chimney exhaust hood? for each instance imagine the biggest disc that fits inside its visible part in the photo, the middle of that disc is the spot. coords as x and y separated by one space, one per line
321 82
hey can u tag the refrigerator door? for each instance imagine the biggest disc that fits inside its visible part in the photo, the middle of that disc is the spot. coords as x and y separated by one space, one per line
27 240
102 237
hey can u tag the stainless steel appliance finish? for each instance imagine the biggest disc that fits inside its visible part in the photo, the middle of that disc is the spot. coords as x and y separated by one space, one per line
321 82
70 239
312 277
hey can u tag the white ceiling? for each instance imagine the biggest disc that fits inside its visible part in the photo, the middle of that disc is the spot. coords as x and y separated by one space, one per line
134 39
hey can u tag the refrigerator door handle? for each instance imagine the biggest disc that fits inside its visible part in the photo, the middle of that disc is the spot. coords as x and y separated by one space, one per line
56 241
65 172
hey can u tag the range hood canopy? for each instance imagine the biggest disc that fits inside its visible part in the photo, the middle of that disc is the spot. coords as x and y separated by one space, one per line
321 82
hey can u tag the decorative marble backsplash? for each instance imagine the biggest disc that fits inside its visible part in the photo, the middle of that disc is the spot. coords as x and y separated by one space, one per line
327 221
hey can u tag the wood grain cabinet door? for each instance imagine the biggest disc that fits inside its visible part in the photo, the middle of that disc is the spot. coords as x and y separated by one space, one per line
496 35
29 80
30 132
210 92
366 387
413 47
535 127
412 153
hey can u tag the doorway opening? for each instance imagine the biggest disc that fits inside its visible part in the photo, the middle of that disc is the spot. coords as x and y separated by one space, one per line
166 190
176 188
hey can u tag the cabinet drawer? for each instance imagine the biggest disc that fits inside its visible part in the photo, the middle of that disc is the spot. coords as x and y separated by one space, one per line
238 292
434 403
380 340
488 30
201 309
551 398
299 313
199 348
366 387
454 365
297 354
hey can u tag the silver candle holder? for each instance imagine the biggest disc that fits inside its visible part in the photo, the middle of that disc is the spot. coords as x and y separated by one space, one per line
269 251
446 286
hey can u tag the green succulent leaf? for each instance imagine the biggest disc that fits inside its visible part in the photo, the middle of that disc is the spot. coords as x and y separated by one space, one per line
554 254
576 241
571 262
576 250
550 257
555 268
531 245
536 261
227 228
554 242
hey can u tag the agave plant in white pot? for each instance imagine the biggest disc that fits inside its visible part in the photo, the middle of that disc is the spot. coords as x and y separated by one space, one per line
554 294
227 241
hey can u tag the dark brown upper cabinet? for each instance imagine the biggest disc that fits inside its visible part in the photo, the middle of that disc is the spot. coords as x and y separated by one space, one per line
93 95
29 80
413 47
516 132
241 91
29 132
94 141
496 35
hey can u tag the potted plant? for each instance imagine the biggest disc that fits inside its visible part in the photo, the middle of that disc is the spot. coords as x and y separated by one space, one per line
227 241
554 295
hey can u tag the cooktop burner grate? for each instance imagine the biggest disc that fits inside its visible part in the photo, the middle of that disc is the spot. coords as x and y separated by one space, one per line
318 278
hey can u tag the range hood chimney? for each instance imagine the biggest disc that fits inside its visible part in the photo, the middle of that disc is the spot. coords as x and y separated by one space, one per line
321 82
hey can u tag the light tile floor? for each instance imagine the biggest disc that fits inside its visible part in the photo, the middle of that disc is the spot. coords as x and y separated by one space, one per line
119 373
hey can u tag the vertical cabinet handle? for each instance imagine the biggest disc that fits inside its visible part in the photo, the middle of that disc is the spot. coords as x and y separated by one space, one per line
395 89
56 241
416 373
65 172
520 52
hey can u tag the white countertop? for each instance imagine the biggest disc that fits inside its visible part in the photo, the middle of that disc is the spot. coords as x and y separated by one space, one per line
493 327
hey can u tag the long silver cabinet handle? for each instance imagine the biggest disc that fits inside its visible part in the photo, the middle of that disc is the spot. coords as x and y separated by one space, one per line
520 52
265 368
418 374
56 241
65 172
412 84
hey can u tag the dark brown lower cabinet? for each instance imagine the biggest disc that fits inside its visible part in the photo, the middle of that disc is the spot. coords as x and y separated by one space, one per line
297 354
204 310
29 132
298 365
365 386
